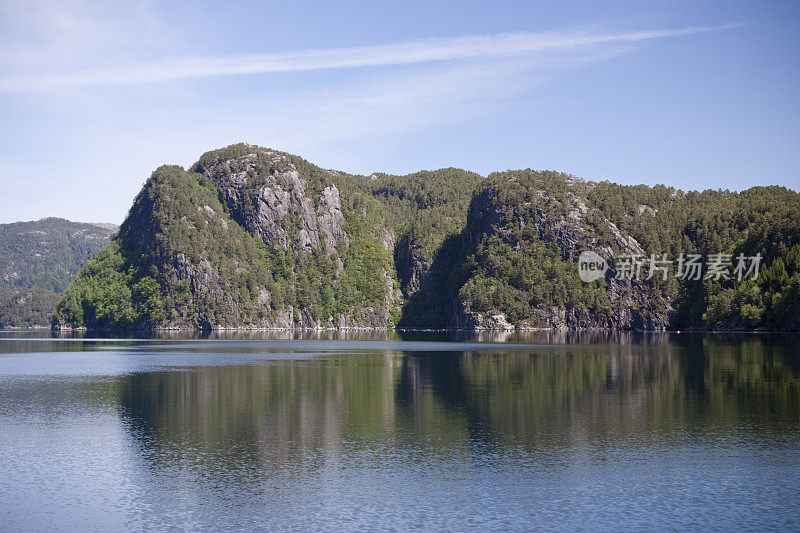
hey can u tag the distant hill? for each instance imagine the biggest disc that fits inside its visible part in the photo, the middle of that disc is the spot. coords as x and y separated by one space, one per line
250 237
38 260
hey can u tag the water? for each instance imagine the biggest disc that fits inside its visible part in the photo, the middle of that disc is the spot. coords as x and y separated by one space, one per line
634 432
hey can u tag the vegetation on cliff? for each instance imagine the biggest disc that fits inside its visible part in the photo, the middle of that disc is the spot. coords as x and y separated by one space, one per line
183 257
532 225
252 237
427 211
516 255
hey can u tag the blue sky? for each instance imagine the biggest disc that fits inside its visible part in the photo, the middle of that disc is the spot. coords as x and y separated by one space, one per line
95 95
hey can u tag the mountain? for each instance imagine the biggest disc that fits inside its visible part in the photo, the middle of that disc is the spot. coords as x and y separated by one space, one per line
38 260
250 237
47 253
526 230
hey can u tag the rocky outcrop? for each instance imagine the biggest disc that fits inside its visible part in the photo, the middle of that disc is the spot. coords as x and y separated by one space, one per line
488 215
561 221
266 194
197 233
413 267
464 319
253 238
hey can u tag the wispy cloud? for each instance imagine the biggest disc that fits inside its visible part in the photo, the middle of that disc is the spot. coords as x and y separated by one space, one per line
400 53
46 34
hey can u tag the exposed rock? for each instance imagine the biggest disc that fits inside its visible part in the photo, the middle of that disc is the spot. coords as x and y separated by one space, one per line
633 306
330 218
267 195
480 321
414 268
254 238
387 238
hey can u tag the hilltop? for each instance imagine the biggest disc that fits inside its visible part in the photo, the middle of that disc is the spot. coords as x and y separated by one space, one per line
251 237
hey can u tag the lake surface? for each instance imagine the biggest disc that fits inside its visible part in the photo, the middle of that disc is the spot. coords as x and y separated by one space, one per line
400 431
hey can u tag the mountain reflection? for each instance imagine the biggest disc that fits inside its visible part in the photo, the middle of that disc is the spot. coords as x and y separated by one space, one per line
412 429
272 417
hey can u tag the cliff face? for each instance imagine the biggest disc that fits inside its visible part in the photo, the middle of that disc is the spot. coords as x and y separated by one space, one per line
266 194
250 237
525 219
426 211
247 238
294 209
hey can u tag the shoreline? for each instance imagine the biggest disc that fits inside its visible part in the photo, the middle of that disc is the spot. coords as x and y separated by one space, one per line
396 329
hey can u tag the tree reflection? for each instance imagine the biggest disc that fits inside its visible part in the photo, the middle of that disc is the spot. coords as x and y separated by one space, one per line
269 420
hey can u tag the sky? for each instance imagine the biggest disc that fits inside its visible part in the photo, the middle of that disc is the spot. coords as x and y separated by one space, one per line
692 94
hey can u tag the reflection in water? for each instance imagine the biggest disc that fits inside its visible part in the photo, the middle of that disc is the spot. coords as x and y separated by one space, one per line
558 395
529 337
645 431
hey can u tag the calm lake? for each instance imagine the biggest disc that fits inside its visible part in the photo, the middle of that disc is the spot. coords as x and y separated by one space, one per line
400 431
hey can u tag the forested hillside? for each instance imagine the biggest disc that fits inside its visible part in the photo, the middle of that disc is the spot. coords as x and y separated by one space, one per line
526 230
255 238
38 260
247 238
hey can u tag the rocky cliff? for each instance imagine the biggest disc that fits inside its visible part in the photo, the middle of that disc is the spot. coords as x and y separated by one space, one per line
247 238
548 220
266 194
250 237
